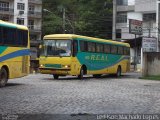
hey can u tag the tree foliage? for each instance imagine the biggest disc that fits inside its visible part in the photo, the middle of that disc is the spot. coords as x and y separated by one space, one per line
84 17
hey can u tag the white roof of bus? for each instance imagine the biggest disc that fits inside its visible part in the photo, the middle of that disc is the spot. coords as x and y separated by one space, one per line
13 24
70 36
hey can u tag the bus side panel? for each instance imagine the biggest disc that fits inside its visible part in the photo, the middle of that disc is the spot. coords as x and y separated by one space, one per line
99 63
112 69
17 61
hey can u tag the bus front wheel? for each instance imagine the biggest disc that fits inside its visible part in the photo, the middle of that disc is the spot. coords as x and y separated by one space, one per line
119 72
55 76
80 76
3 77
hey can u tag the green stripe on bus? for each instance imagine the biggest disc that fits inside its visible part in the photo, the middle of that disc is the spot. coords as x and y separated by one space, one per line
7 25
2 49
53 65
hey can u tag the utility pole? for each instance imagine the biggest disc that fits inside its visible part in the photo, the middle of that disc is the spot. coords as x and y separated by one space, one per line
64 20
158 22
114 19
135 56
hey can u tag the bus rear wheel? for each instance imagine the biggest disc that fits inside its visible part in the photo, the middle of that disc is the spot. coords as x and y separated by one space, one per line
55 76
80 76
3 77
119 72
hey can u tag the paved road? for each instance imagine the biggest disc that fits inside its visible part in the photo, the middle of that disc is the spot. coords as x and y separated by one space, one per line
36 94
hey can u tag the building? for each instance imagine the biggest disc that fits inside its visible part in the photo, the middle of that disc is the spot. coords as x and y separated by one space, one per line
28 13
143 10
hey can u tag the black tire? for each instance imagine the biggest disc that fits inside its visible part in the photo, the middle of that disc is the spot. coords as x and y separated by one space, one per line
80 76
3 77
119 72
56 76
97 75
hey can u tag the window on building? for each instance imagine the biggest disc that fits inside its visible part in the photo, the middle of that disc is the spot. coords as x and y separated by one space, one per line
31 9
121 18
20 21
20 6
4 6
122 2
33 37
4 17
118 33
31 24
149 17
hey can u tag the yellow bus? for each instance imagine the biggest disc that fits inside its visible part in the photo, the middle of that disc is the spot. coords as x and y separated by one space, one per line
69 54
14 51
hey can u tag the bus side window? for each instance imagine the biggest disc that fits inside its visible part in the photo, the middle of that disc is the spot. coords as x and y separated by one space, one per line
91 47
83 46
126 51
107 49
75 48
99 48
5 35
1 37
120 50
25 38
114 49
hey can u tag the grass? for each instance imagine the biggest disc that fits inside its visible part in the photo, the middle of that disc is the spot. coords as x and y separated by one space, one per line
151 78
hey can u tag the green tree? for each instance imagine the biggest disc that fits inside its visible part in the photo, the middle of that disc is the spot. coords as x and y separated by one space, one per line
84 17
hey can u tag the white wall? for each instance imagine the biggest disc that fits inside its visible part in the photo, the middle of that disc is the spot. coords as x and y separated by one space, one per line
152 26
16 12
145 6
38 8
151 64
11 4
131 2
125 30
134 15
37 23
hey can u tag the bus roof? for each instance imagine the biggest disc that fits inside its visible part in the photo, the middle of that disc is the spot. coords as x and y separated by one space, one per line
12 25
71 36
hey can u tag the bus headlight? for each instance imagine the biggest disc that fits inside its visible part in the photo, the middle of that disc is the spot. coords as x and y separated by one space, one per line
41 65
66 66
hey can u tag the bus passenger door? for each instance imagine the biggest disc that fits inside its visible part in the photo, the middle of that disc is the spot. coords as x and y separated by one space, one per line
74 62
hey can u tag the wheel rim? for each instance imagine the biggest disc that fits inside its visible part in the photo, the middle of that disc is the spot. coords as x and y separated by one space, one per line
55 76
80 76
119 72
3 78
81 73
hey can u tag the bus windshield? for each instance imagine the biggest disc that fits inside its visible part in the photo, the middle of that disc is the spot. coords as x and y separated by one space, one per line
56 48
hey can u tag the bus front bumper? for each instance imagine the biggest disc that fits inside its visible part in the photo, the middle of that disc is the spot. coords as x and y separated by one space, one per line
54 71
